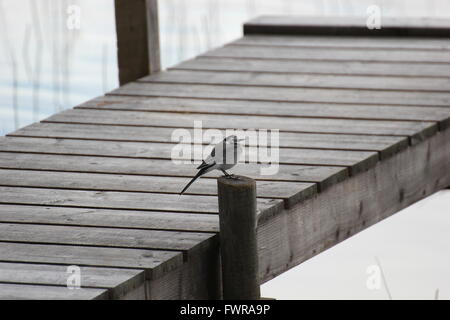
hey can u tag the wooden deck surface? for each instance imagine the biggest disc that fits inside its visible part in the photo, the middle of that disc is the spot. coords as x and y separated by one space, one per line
364 131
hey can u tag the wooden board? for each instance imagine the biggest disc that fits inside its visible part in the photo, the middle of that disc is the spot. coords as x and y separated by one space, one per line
270 80
354 160
367 68
355 42
349 207
323 175
144 220
267 79
414 129
283 94
154 262
268 108
290 192
386 145
121 200
116 281
109 200
34 292
102 237
337 54
348 26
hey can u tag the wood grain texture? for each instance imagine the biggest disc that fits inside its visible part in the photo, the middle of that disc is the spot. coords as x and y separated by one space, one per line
117 281
385 145
128 219
102 237
356 42
324 176
337 54
197 278
353 205
137 38
415 130
348 26
289 192
271 80
354 160
35 292
268 108
238 241
121 200
366 68
156 263
108 200
324 81
283 94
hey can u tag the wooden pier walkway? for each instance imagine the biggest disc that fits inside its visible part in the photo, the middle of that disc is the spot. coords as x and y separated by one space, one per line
364 132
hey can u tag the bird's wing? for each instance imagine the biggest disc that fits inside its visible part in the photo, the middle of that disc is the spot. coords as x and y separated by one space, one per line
211 159
208 161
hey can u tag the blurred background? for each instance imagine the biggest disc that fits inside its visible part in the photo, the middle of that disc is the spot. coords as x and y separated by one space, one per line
55 54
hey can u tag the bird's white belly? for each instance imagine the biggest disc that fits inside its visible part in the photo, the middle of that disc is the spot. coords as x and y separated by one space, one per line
225 166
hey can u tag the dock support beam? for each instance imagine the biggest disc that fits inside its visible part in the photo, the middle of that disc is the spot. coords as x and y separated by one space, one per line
137 29
238 241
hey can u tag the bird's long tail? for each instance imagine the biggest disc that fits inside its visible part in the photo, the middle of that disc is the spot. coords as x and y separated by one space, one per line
199 173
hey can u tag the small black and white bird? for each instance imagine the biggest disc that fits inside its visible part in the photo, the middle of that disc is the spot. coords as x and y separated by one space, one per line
224 156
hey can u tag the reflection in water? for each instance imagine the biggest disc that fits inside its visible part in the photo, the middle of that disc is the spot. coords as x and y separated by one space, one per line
55 54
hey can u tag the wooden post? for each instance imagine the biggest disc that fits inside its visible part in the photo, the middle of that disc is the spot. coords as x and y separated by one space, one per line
238 244
137 39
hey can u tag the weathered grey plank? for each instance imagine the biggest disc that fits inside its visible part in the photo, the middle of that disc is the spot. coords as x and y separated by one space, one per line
155 262
323 175
35 292
317 67
109 200
337 54
353 205
355 160
109 218
121 200
268 108
386 145
198 278
363 43
245 78
348 26
117 281
283 94
414 129
102 237
290 192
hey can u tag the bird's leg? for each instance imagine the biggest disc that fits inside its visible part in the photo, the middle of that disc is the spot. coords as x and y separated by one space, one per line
226 173
229 176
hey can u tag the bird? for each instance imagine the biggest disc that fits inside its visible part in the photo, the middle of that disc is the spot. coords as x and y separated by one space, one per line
223 156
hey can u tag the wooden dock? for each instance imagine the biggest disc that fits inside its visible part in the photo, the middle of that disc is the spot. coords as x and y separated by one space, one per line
364 132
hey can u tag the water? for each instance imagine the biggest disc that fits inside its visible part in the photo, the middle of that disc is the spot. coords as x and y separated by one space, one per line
48 64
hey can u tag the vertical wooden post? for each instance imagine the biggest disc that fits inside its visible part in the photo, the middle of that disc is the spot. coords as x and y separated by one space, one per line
238 243
137 39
